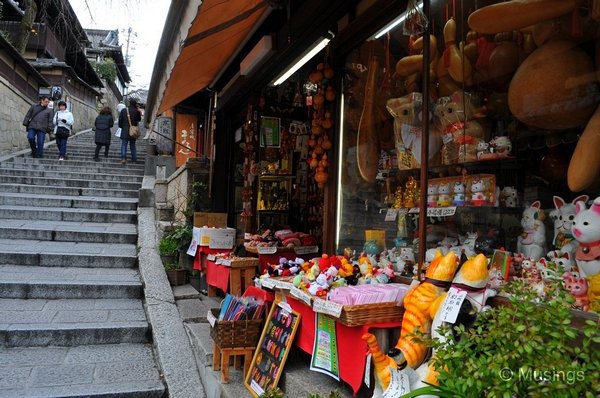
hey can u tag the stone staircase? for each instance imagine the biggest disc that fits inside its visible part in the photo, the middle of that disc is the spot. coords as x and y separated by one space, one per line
72 319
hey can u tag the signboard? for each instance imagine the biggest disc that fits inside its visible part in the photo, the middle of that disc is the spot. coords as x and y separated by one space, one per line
186 135
325 350
164 135
270 132
272 350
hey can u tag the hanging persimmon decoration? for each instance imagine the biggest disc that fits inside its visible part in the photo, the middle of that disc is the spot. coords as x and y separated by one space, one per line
322 122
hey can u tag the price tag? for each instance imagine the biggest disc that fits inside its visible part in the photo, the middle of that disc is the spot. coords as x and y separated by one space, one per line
413 210
327 307
451 305
256 388
367 378
267 283
226 263
284 285
300 295
211 318
441 211
399 384
266 249
211 257
306 249
284 304
391 214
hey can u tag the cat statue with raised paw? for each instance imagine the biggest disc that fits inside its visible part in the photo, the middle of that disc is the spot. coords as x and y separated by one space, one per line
532 242
586 229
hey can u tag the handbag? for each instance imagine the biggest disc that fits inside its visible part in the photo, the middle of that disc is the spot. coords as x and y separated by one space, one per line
118 132
134 131
62 132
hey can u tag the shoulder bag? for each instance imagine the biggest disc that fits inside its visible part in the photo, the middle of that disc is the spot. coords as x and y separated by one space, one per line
134 131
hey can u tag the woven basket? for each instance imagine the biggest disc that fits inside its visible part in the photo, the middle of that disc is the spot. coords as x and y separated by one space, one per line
227 334
364 314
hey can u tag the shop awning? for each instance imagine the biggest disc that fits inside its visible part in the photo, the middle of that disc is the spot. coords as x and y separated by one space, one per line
215 34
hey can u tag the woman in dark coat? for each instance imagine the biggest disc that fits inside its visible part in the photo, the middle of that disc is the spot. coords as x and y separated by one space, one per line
129 114
104 121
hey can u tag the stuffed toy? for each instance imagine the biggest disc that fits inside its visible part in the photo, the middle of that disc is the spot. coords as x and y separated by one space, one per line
586 229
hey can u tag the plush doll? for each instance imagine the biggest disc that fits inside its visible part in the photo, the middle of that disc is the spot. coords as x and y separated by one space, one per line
563 216
532 242
586 229
459 130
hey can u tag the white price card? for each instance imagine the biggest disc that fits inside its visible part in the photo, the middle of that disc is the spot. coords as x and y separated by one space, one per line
194 243
367 378
300 295
284 304
224 262
327 307
451 305
267 283
399 384
300 250
266 249
211 257
391 214
211 318
441 211
283 285
256 388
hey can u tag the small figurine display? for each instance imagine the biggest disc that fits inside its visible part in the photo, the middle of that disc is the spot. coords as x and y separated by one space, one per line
586 229
478 196
411 193
432 191
508 197
532 242
444 198
398 198
501 146
459 194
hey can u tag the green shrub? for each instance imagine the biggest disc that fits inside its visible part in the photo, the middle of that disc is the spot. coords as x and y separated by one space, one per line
168 247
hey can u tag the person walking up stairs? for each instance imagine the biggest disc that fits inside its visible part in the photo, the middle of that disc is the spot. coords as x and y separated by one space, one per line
72 319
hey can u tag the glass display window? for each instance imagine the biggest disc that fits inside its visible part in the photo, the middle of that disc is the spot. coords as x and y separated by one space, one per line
511 139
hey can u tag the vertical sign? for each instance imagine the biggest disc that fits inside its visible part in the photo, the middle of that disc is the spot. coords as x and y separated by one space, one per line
272 350
270 132
187 126
164 135
325 351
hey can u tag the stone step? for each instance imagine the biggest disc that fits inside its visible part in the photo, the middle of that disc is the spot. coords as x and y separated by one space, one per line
104 167
76 163
108 370
87 202
71 322
67 254
62 182
64 231
71 174
25 282
67 214
68 191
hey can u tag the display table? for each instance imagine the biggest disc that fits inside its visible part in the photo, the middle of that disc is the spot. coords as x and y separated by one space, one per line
352 350
271 255
202 254
232 278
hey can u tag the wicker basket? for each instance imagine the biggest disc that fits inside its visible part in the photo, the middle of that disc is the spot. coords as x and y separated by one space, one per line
364 314
227 334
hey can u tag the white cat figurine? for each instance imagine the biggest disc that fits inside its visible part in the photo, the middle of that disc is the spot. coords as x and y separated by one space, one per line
563 216
586 229
532 242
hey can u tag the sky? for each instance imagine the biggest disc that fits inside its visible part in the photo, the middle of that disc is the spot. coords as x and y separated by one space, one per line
145 17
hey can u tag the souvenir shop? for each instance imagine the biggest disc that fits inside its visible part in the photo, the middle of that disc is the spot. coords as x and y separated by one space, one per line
438 144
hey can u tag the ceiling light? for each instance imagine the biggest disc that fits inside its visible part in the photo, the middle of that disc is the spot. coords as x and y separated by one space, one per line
302 59
401 18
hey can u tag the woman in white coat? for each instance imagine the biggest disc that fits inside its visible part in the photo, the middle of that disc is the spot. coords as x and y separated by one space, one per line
63 121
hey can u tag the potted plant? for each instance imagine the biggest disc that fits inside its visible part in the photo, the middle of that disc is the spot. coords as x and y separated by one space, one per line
168 249
175 273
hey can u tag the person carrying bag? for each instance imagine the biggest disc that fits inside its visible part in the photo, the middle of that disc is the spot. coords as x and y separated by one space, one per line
129 119
63 122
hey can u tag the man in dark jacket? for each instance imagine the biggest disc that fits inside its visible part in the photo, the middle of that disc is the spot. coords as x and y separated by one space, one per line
127 115
38 122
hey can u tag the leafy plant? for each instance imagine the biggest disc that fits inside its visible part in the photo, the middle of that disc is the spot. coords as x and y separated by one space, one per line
333 394
168 247
526 348
181 235
171 265
107 69
273 393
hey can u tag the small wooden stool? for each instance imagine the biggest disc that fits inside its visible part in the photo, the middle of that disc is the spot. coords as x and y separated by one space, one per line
221 359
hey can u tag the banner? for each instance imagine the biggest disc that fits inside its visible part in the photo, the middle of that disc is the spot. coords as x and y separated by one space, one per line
325 354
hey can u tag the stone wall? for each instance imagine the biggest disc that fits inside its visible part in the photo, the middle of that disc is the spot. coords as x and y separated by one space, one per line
13 107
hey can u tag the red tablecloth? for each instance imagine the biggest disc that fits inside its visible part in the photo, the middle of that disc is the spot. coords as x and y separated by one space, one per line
217 275
352 350
202 253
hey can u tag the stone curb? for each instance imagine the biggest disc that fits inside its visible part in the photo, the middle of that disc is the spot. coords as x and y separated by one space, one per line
173 349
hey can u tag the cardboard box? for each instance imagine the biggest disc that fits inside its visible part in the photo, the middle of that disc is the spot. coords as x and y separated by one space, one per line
210 219
221 238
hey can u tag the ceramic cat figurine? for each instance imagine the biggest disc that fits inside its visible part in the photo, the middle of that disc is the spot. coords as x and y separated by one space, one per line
432 191
586 229
578 287
444 198
563 216
532 242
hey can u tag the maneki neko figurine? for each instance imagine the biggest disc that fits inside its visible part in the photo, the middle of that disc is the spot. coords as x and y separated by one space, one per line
563 216
444 198
532 242
459 194
432 191
478 196
586 229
